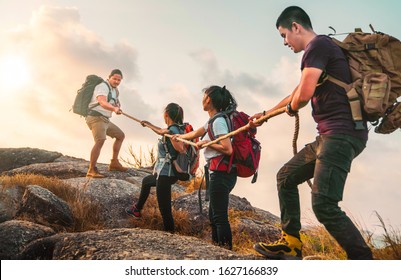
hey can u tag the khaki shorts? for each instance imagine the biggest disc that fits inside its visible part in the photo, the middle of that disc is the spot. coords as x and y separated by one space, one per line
102 127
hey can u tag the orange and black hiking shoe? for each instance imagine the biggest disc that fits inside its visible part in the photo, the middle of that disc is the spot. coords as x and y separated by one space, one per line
287 248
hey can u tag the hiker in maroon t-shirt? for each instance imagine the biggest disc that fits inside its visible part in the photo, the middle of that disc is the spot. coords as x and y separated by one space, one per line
328 159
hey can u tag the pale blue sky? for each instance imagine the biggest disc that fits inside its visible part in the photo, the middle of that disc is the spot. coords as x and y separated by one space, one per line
169 51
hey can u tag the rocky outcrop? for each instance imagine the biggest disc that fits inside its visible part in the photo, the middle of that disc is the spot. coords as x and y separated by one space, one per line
14 235
14 158
256 222
36 224
71 169
123 244
111 196
43 207
10 201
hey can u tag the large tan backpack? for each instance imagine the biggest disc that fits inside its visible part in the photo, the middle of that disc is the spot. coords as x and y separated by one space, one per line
375 63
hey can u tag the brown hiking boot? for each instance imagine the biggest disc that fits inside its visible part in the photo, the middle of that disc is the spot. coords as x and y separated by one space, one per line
94 173
115 165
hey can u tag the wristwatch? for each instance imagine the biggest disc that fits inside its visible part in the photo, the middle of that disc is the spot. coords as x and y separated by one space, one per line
290 110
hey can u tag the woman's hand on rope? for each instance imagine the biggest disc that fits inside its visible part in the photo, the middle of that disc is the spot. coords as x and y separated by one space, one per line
175 137
252 120
200 143
145 123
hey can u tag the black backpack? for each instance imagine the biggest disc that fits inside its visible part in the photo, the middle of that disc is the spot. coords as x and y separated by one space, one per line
185 164
85 93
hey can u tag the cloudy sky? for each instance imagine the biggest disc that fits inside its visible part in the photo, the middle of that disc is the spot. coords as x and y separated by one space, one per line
169 51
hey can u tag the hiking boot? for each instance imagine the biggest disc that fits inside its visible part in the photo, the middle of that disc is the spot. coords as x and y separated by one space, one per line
94 173
115 165
287 248
133 211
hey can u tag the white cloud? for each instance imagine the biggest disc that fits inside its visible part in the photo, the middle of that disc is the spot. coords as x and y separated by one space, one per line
60 52
253 90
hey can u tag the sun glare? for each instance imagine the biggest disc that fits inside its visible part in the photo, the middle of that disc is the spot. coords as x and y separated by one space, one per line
14 72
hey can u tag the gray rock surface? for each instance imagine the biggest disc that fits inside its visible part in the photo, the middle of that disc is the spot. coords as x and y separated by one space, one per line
126 244
42 206
10 202
11 158
14 235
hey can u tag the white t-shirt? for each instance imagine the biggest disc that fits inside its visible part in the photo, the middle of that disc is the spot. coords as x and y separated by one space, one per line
103 89
219 128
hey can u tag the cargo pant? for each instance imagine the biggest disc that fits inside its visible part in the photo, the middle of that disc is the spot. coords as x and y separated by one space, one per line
327 160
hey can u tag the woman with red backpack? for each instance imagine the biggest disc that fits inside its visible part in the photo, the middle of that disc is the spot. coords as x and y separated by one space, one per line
221 181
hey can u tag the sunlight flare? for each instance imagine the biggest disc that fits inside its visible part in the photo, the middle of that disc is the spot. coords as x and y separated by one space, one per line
14 72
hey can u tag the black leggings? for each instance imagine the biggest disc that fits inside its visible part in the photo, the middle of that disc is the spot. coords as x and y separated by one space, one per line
163 193
220 185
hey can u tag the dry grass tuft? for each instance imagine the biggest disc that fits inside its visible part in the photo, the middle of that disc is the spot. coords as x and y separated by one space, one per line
151 218
242 241
193 184
318 242
141 159
84 211
391 239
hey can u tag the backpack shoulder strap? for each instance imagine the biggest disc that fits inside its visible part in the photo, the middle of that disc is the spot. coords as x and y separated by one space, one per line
354 101
226 117
345 86
109 95
178 126
117 96
164 142
165 139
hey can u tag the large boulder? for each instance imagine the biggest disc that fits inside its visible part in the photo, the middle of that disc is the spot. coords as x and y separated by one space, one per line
14 235
44 207
255 228
11 158
112 196
10 201
252 221
70 169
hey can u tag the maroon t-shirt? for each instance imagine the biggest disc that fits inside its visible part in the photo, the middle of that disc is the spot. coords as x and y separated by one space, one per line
330 106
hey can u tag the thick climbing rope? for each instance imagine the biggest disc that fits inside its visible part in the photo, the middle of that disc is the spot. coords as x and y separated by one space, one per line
295 139
245 127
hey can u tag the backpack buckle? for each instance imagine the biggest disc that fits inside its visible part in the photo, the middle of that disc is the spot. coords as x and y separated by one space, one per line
359 125
370 46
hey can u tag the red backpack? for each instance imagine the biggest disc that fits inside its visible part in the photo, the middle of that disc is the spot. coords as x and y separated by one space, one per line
246 149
